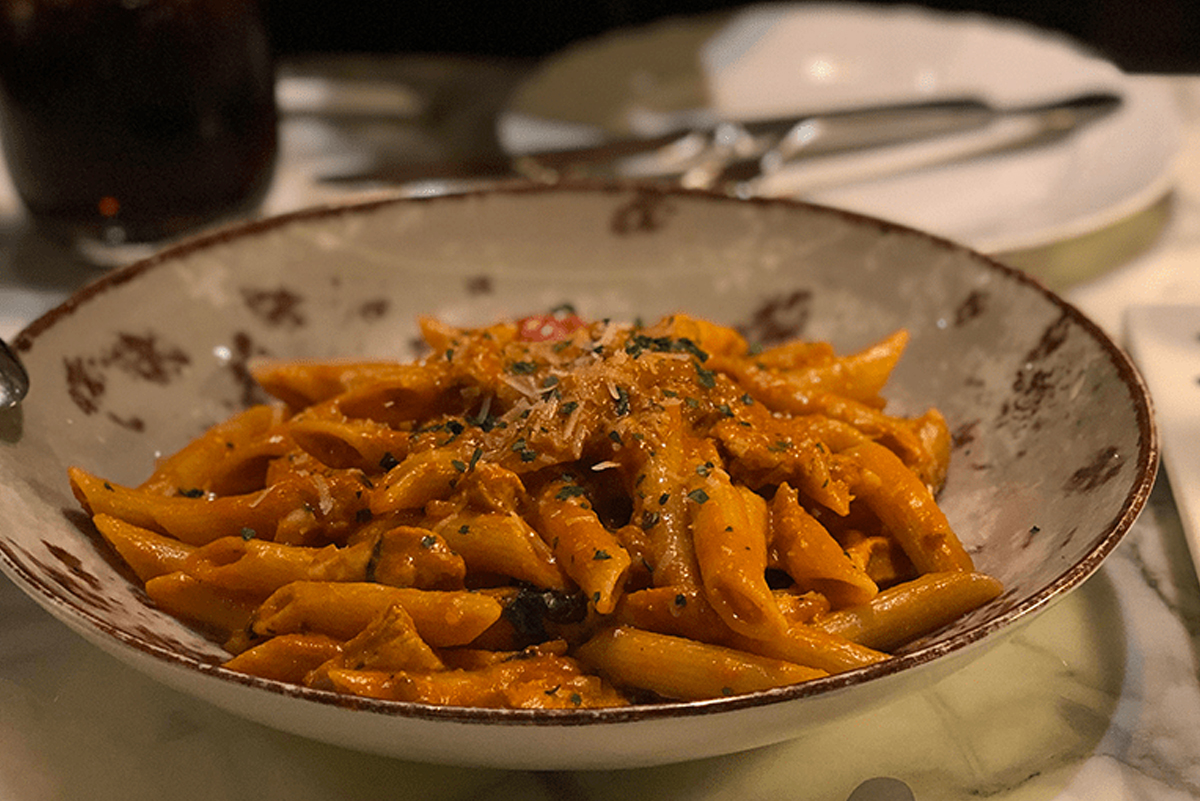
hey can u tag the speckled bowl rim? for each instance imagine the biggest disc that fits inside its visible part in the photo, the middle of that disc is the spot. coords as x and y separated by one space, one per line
1072 577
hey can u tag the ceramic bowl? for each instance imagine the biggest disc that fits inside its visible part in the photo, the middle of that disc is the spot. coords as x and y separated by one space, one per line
1054 443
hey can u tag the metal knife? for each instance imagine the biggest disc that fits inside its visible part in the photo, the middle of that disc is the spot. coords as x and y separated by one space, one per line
729 153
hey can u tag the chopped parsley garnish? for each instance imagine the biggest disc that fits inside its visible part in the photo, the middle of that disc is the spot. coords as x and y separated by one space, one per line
428 541
601 556
568 408
464 529
248 534
622 402
192 493
615 436
688 346
569 491
707 378
523 368
387 462
698 495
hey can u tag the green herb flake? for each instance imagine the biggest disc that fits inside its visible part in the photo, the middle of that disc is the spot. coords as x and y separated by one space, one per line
460 466
192 493
475 456
523 368
747 400
428 541
569 491
248 534
688 346
681 600
649 520
622 402
568 408
704 469
662 499
706 377
615 436
698 495
601 555
387 462
464 529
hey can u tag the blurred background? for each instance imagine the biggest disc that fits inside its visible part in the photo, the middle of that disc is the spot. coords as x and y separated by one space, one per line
1138 35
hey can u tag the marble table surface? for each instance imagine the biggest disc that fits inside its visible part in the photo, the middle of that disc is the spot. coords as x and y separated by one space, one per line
1098 698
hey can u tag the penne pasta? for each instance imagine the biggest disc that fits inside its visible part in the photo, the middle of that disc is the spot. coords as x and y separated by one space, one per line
674 667
554 513
812 557
288 658
589 553
912 609
730 539
343 609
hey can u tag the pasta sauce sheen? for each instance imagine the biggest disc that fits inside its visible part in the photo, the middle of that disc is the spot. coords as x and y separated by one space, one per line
555 513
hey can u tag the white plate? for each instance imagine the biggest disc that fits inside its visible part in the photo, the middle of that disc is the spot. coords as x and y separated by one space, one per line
777 59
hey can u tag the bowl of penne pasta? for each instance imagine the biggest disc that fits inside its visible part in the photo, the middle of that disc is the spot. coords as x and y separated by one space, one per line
564 477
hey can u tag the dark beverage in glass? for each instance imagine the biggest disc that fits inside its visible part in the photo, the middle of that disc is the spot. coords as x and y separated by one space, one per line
135 121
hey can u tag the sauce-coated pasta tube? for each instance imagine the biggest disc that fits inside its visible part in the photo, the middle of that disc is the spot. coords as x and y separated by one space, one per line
910 610
908 510
731 549
343 609
674 667
556 513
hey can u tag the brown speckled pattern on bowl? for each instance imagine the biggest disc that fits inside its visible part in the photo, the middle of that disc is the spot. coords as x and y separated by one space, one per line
1055 448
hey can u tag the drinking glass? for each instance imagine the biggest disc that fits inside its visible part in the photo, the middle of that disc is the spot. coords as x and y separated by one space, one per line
133 122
